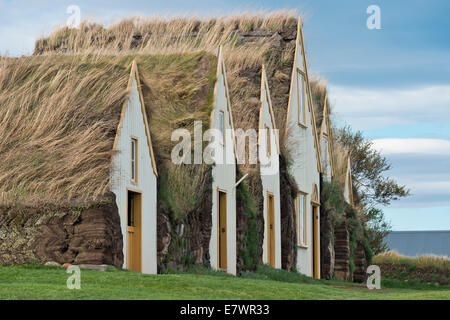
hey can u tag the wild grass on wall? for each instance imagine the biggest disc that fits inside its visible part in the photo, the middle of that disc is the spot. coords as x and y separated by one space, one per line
249 233
185 199
332 200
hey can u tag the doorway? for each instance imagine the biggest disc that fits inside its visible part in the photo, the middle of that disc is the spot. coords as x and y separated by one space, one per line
134 231
222 217
315 242
270 230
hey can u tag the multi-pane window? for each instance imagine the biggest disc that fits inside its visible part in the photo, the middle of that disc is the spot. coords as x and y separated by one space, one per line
301 219
301 97
134 162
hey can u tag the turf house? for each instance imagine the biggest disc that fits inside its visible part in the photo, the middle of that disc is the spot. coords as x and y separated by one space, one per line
91 124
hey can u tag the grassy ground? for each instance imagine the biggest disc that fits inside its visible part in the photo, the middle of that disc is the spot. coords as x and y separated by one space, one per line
38 282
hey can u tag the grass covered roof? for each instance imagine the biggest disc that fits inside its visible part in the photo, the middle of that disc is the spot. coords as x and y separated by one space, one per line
59 115
248 41
59 109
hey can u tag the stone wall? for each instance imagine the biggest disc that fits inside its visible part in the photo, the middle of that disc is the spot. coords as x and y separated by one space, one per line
342 253
183 243
288 191
360 275
65 234
327 254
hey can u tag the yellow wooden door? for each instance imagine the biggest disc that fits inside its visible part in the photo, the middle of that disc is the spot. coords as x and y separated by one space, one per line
222 231
316 242
271 230
134 232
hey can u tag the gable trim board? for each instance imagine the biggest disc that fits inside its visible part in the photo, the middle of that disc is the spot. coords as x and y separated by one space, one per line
221 70
348 182
326 122
265 88
133 125
135 72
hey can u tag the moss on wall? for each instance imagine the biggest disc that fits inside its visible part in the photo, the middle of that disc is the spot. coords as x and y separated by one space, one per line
250 223
184 216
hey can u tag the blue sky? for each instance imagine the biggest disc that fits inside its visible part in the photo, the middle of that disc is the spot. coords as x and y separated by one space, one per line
393 83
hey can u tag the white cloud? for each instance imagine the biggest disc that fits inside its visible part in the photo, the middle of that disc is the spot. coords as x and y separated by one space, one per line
432 187
412 146
376 108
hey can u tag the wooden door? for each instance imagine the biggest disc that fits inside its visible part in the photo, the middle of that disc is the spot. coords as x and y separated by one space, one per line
315 242
270 230
222 230
134 232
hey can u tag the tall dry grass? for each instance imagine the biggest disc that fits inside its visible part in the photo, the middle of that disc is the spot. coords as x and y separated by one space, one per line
245 52
167 35
340 161
319 94
59 109
424 261
59 115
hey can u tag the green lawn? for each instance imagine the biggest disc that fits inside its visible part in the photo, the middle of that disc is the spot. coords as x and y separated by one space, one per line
38 282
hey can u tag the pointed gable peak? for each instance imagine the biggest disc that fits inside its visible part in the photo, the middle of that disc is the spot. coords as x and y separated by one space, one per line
325 126
134 75
265 88
265 96
221 60
348 181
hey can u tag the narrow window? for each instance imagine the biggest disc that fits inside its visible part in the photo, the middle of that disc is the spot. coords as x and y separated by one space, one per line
222 125
268 142
134 162
301 219
301 97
